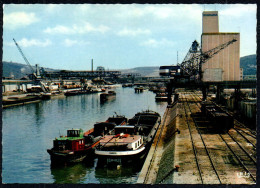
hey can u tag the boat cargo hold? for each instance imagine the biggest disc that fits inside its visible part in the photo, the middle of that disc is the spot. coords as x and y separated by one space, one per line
129 142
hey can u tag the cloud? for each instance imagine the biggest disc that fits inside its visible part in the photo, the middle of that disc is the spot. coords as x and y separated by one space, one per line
157 43
69 42
76 29
19 19
238 10
131 32
34 42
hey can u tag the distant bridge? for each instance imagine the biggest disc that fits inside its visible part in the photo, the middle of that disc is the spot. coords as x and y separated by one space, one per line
65 74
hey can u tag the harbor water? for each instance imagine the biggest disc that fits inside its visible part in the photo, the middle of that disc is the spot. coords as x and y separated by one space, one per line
28 131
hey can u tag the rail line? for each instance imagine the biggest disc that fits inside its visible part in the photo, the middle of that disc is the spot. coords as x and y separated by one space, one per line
236 129
204 144
238 124
250 165
193 146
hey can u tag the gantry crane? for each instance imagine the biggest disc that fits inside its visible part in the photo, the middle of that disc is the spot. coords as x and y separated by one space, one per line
36 78
192 63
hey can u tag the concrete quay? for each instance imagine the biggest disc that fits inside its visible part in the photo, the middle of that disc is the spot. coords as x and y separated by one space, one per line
186 151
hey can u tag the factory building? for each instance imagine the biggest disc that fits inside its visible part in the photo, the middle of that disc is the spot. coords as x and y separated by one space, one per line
224 66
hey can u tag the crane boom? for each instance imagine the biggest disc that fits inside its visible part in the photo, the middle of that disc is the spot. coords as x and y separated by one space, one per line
25 59
192 63
33 73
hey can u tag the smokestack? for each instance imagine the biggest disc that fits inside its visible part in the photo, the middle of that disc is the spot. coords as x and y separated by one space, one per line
92 65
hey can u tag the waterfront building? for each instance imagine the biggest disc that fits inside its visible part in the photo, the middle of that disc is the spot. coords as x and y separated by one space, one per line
224 66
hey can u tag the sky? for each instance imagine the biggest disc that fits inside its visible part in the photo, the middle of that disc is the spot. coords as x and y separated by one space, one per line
116 36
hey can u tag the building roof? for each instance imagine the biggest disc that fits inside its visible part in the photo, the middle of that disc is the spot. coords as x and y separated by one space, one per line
222 33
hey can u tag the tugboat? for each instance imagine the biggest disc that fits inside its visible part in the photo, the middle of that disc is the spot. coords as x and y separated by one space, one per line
77 146
131 141
107 96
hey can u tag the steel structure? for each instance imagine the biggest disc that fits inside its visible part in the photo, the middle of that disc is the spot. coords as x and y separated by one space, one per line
25 59
192 63
34 75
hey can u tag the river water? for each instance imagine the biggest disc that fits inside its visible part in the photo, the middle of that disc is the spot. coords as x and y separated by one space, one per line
28 131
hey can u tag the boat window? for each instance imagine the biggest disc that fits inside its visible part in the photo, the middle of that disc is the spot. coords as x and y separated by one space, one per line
135 145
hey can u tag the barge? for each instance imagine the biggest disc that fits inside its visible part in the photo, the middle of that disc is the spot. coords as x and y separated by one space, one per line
21 100
107 96
129 142
77 146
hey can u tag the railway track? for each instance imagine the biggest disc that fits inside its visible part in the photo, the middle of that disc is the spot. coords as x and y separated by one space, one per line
245 153
206 167
219 158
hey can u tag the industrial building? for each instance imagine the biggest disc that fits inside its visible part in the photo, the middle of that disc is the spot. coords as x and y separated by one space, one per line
224 66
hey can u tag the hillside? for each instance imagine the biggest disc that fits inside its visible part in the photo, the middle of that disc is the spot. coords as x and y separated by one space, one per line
17 70
248 63
144 71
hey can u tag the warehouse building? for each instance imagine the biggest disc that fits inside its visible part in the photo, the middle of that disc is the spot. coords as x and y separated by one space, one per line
224 66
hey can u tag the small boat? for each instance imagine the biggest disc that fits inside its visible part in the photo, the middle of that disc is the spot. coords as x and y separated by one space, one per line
77 92
129 142
161 97
107 96
77 145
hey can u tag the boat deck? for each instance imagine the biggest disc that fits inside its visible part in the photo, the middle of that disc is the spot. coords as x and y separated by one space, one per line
120 139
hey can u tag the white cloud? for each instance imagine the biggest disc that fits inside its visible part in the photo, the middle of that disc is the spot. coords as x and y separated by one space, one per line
34 42
238 10
131 32
69 42
157 43
19 19
76 29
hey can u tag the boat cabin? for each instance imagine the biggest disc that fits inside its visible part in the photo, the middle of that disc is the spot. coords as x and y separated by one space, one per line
74 133
73 141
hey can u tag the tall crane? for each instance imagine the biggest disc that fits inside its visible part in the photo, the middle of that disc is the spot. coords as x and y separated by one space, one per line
25 59
192 63
35 77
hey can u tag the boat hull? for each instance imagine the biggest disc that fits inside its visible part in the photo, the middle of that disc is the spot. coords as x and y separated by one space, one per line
67 157
112 158
130 156
12 101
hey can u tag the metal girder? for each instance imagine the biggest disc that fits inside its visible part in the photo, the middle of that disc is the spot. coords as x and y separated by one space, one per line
25 59
194 59
190 64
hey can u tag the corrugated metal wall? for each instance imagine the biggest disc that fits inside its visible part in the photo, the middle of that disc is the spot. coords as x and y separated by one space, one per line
228 59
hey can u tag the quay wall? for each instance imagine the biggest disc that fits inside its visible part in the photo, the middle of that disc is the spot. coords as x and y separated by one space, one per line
167 160
160 157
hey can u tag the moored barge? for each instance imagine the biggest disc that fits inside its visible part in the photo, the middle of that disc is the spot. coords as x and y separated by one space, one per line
129 142
77 146
107 96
